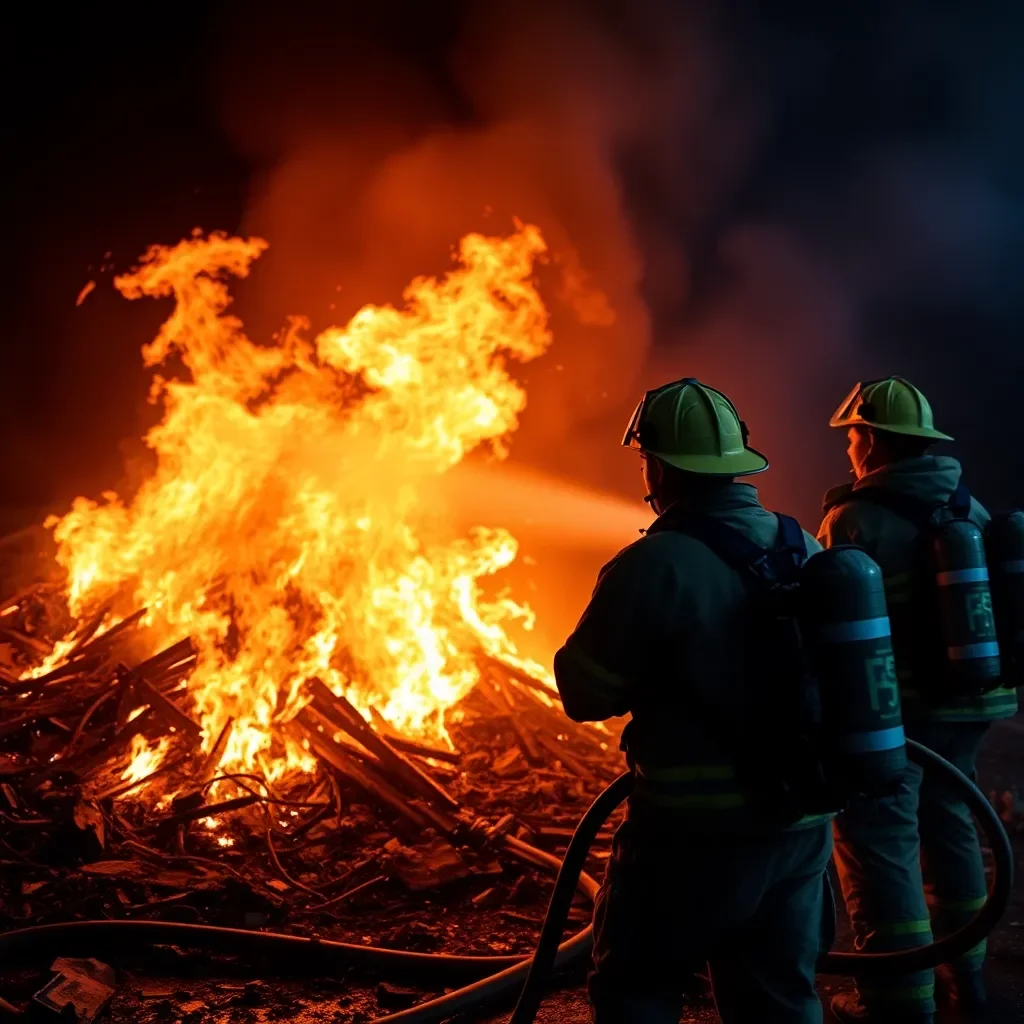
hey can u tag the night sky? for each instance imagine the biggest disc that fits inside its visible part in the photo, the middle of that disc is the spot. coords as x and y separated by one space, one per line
825 192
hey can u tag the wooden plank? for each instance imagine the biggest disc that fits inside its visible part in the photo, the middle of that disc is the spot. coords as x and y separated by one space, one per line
163 706
196 793
338 758
86 632
27 644
519 677
90 644
558 751
498 699
208 772
164 659
346 718
408 746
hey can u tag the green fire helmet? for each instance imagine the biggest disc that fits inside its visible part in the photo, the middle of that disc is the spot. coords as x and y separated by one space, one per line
694 428
892 405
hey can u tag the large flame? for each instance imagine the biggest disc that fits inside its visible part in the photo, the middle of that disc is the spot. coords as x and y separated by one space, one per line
292 526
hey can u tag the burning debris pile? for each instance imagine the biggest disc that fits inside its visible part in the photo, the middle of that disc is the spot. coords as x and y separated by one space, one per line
272 682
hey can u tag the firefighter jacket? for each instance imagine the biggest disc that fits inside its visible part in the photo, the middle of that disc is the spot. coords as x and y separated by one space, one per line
891 541
662 639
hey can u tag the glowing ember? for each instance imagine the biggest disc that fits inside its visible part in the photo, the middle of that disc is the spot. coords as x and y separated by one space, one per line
292 526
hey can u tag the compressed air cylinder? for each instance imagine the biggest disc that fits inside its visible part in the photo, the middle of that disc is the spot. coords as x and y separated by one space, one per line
966 619
846 626
1004 550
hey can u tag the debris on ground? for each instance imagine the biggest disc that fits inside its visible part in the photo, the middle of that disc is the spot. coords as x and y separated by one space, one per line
79 992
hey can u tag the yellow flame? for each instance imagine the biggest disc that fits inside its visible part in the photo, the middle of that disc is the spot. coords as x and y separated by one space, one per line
144 759
53 660
63 648
292 525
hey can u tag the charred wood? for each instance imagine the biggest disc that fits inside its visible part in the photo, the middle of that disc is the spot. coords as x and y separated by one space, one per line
343 716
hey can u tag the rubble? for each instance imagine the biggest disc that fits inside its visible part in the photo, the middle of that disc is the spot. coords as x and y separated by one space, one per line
429 865
80 991
510 764
395 997
493 897
385 820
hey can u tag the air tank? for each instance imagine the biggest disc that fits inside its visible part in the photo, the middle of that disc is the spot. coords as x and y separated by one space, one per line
1004 549
968 626
847 631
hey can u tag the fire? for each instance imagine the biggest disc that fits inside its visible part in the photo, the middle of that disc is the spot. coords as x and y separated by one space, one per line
292 526
145 759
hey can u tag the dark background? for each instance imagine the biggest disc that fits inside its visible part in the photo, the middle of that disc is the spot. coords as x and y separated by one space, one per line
801 194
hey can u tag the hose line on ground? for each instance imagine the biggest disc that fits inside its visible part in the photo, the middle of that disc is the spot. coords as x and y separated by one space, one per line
490 977
494 976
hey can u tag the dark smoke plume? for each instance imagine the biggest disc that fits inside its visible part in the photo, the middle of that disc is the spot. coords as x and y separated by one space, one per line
781 203
781 198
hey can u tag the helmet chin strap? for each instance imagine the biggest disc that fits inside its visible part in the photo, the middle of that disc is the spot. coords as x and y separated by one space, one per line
652 500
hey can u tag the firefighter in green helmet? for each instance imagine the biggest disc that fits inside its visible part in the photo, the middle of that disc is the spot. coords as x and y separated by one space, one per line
899 488
697 876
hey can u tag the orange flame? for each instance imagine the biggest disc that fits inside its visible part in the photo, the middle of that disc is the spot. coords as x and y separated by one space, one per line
292 526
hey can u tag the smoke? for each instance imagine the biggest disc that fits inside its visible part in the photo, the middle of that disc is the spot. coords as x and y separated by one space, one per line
893 166
375 162
780 202
782 198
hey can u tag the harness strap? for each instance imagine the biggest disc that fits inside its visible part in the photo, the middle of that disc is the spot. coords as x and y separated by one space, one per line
742 554
915 510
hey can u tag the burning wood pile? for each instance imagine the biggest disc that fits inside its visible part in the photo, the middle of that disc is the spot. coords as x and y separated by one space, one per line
92 820
274 682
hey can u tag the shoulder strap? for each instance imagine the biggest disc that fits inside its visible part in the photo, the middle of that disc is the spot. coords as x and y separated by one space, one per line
742 554
914 510
791 536
960 501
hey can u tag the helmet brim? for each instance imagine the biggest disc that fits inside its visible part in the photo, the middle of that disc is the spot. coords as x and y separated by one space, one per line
889 428
744 463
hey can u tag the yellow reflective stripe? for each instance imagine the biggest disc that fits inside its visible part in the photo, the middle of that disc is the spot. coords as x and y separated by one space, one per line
610 681
975 903
693 801
1001 693
695 787
686 773
923 927
1000 699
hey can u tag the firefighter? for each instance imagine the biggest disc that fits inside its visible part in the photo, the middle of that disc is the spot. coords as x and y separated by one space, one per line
694 878
879 844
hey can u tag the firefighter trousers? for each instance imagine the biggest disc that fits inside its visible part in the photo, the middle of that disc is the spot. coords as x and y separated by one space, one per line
886 848
954 873
750 909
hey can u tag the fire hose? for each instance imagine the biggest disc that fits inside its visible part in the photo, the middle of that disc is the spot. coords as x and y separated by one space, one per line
498 976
